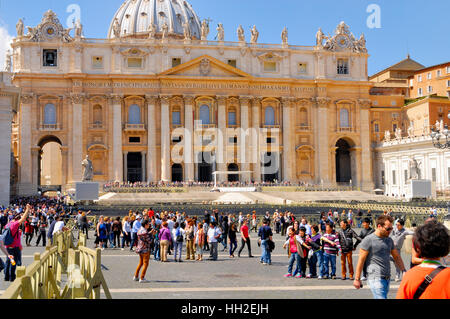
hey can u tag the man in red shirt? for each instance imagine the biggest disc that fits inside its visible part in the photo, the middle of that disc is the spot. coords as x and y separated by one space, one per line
151 213
245 239
431 243
15 249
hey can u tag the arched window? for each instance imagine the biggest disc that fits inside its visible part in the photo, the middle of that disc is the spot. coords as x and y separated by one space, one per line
204 115
303 117
344 118
269 116
134 114
97 114
50 114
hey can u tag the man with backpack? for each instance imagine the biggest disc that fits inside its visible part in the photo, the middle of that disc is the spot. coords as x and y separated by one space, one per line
12 239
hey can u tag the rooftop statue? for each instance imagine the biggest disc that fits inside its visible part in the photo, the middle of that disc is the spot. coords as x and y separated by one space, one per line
205 30
19 28
284 36
220 32
240 33
255 35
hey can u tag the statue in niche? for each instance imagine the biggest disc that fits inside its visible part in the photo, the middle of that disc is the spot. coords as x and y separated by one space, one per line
240 33
19 28
255 35
220 32
88 169
414 169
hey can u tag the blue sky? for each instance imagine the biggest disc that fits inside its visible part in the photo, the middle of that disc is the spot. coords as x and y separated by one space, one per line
415 26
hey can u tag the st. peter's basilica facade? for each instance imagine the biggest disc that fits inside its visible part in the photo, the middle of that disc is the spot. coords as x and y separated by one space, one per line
158 101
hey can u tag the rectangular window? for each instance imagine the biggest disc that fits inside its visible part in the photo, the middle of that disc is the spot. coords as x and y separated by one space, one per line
419 92
176 118
134 62
176 62
394 127
134 139
342 66
270 140
232 118
302 68
232 62
438 73
382 177
270 66
419 78
377 128
448 69
50 57
448 83
405 172
433 174
97 62
429 76
411 82
430 89
394 178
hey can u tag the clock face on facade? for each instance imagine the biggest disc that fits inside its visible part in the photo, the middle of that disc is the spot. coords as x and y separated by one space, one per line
342 41
49 30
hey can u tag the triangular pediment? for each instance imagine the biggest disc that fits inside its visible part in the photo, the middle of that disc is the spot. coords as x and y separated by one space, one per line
205 66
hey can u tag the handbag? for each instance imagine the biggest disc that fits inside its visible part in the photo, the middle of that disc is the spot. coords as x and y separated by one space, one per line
271 245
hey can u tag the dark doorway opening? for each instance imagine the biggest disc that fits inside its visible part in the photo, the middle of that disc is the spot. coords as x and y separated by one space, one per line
343 162
134 167
205 167
177 173
271 167
233 177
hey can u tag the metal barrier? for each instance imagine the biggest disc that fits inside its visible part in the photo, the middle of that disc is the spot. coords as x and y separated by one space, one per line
43 279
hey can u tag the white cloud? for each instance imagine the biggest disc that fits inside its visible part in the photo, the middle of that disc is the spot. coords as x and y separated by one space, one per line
5 41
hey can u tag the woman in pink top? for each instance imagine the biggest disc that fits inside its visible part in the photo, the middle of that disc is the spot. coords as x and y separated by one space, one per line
165 238
294 249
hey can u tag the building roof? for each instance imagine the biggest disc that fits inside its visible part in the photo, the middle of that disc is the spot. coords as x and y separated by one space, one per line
407 64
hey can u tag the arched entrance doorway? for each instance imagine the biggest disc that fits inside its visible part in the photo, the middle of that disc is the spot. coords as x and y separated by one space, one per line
177 173
343 162
50 162
233 177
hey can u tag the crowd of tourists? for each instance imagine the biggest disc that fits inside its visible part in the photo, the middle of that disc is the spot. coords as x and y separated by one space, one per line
312 249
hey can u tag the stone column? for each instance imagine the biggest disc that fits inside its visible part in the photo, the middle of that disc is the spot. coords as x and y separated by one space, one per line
244 140
77 136
144 169
221 156
65 161
125 167
151 138
367 183
6 101
256 125
117 152
189 139
36 154
288 160
25 187
322 140
165 139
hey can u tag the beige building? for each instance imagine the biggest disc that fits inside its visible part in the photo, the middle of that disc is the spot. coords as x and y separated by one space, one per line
158 101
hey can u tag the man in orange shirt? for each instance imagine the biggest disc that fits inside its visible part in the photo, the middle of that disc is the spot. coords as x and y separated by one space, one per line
430 279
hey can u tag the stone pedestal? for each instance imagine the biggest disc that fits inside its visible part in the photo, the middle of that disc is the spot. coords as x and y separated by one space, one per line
87 191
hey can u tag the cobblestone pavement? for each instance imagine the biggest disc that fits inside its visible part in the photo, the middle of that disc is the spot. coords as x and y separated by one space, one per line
228 278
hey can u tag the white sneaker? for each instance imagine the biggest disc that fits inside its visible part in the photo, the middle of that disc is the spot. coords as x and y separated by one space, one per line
143 281
363 278
397 278
135 278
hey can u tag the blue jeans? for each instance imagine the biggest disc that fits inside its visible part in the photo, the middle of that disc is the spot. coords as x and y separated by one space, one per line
156 251
10 270
265 252
320 260
178 248
133 240
233 246
379 287
295 257
312 263
329 259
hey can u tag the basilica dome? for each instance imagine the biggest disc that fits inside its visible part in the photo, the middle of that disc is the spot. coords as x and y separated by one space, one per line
135 17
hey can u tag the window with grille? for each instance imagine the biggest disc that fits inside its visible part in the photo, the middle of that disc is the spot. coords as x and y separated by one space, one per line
342 66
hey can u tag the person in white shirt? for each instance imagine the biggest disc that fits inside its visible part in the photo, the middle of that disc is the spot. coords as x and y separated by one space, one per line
214 234
59 226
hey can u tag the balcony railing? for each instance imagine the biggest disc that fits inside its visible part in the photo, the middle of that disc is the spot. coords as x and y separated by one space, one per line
345 129
271 126
50 127
204 126
96 126
134 127
303 127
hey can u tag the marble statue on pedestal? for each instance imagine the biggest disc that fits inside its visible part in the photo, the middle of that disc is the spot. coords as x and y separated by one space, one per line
88 169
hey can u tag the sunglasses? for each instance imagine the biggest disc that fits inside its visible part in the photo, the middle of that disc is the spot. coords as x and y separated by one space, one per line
389 229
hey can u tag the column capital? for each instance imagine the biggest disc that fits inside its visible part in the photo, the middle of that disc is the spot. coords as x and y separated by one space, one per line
26 98
322 102
304 101
365 103
256 101
288 101
189 99
151 99
76 98
165 98
245 99
115 98
222 99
